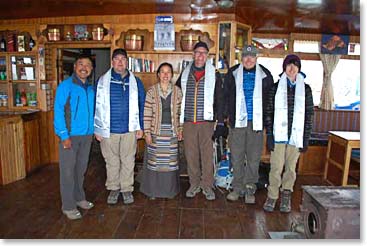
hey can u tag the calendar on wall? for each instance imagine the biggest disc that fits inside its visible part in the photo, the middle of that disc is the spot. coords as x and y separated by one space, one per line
164 33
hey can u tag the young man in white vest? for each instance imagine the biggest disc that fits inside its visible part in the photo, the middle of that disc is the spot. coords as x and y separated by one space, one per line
288 120
118 123
246 86
202 104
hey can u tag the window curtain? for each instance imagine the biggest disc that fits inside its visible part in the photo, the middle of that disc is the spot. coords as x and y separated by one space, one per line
329 63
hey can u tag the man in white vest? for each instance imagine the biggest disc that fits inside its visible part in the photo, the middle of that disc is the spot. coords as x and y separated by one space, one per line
201 106
118 123
289 120
246 86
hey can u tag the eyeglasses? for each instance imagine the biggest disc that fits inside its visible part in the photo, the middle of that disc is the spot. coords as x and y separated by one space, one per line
200 53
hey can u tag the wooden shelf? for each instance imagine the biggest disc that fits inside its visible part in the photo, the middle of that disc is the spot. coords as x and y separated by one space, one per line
164 52
21 53
80 44
23 108
25 65
23 81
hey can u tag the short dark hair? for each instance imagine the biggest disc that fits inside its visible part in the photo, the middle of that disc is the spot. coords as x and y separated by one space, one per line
164 64
83 56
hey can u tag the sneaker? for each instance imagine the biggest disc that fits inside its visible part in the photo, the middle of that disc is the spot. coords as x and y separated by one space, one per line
250 194
269 204
285 201
85 204
234 195
192 191
73 214
113 197
209 193
128 197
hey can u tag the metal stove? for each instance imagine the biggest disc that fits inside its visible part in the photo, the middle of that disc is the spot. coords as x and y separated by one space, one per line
331 212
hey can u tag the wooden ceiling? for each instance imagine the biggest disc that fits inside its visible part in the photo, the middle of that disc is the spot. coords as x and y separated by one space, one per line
265 16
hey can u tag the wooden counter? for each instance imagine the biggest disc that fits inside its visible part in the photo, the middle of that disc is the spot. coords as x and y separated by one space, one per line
338 156
12 162
19 145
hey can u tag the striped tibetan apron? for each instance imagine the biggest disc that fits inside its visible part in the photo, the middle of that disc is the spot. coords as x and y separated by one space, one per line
163 152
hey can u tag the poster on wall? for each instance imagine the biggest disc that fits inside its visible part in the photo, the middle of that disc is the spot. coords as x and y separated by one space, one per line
164 33
334 44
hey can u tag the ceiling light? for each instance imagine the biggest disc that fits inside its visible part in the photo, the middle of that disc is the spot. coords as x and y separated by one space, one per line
225 3
201 16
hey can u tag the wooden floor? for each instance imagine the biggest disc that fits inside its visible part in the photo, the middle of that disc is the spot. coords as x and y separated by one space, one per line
31 208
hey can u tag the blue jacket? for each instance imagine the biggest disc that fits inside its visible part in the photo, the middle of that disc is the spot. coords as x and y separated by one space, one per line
74 109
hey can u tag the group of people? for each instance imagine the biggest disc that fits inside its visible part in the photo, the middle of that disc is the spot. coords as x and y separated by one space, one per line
198 108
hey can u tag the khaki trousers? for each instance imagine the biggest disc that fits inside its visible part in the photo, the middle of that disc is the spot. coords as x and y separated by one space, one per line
284 156
199 150
119 154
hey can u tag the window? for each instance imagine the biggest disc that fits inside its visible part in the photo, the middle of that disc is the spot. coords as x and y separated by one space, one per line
354 49
306 46
345 79
312 68
346 82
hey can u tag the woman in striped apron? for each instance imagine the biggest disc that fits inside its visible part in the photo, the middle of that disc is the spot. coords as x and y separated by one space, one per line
162 132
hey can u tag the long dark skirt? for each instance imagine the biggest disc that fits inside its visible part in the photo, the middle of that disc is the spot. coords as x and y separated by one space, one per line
160 174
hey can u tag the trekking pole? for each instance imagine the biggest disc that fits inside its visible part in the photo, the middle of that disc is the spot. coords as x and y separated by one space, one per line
221 147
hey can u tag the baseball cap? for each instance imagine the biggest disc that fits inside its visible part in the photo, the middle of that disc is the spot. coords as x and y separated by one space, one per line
249 50
119 51
201 44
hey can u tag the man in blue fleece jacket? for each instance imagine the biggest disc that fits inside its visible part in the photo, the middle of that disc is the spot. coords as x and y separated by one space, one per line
73 123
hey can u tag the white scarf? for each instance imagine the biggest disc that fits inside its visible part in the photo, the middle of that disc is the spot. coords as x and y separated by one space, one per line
281 112
209 86
102 116
241 110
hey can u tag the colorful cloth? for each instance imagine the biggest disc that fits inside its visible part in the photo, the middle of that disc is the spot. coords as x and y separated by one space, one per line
163 151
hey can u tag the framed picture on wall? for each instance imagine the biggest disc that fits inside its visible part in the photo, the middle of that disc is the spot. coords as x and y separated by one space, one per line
21 43
79 31
334 44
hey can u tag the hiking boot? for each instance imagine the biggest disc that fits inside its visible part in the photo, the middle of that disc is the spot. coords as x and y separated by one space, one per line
128 197
269 204
113 197
209 193
234 195
250 194
192 191
85 204
285 201
73 214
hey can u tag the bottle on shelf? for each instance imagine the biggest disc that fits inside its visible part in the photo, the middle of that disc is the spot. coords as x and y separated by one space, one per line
31 43
3 44
17 99
23 98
